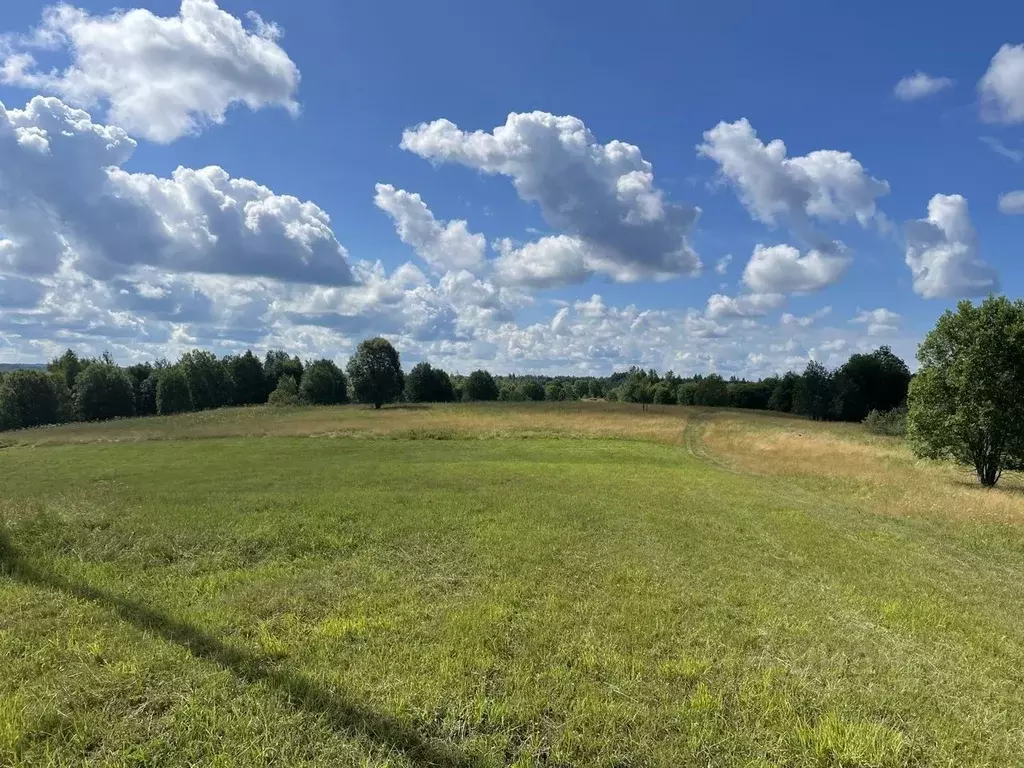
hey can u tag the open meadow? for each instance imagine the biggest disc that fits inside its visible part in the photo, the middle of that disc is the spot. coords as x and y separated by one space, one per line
580 584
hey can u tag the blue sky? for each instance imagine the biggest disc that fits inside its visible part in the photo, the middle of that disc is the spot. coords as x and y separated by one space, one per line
315 106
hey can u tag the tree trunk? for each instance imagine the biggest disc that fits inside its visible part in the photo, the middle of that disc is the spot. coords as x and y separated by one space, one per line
376 406
989 470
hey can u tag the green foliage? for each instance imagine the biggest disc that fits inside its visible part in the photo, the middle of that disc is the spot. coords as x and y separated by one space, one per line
750 394
323 383
375 372
208 380
68 365
892 423
65 398
870 382
664 393
686 393
480 385
554 391
104 391
247 378
782 394
286 393
28 399
967 401
172 392
531 389
711 391
426 384
638 386
145 397
813 393
277 364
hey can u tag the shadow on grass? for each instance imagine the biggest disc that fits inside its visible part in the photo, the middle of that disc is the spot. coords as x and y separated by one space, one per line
343 716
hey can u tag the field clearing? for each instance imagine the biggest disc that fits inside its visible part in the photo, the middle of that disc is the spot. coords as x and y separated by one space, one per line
578 585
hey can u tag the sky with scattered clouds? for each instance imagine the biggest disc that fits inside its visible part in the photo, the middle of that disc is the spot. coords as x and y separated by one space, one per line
546 187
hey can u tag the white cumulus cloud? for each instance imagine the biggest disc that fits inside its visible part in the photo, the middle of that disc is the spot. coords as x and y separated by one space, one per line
602 194
63 195
781 269
1002 86
1012 203
443 245
161 77
879 322
749 305
942 252
826 183
920 85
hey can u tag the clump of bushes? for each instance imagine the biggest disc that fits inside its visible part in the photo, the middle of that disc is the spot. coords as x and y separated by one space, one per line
892 422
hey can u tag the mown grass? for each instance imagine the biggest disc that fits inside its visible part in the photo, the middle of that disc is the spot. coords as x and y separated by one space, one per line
525 599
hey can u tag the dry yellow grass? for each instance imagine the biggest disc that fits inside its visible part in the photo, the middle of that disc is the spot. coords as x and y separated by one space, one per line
879 473
663 424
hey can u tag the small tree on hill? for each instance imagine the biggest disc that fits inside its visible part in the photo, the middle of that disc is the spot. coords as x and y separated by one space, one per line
172 393
480 385
375 372
323 383
104 391
967 401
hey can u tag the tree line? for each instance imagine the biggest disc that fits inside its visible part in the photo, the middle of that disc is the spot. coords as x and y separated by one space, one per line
73 387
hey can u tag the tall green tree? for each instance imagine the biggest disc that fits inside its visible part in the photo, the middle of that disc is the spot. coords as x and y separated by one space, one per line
480 385
375 372
323 383
782 394
426 384
208 380
711 390
68 365
28 399
967 401
145 397
172 392
814 392
247 378
277 364
104 391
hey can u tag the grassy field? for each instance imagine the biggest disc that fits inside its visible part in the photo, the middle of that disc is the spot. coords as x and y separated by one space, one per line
587 585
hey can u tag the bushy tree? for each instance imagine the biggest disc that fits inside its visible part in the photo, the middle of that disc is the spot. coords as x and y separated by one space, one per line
712 391
480 385
664 393
638 386
375 372
65 398
145 397
749 394
426 384
870 382
28 399
68 365
145 402
595 389
531 389
322 383
104 391
278 363
554 391
172 392
967 401
286 393
247 378
686 393
813 393
782 394
208 380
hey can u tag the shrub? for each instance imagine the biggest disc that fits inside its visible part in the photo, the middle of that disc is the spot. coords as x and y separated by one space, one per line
892 422
287 392
172 393
104 391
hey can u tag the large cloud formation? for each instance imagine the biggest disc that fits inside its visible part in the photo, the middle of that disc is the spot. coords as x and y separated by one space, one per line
1002 86
781 269
942 252
602 194
162 78
825 184
63 195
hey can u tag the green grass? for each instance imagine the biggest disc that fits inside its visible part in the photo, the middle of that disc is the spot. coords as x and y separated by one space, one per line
460 602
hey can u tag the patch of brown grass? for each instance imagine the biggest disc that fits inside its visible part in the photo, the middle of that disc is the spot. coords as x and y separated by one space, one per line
879 473
456 421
